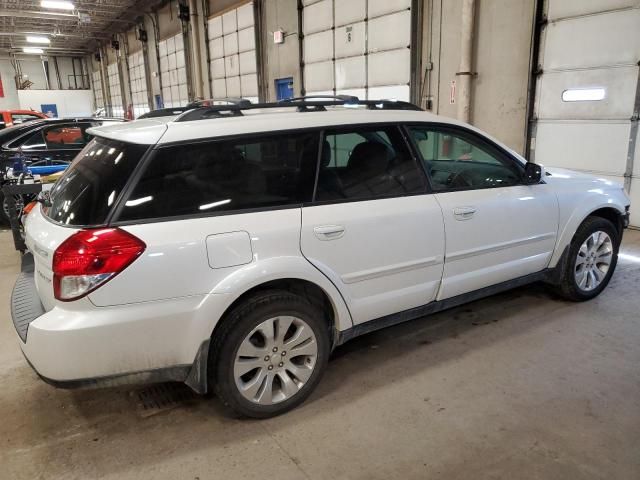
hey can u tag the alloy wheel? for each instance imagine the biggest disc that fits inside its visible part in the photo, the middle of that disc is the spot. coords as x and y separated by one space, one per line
275 360
593 260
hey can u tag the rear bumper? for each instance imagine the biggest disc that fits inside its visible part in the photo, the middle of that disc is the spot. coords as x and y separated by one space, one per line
80 345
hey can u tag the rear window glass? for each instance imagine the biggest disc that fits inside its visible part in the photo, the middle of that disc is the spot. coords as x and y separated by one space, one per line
210 177
87 191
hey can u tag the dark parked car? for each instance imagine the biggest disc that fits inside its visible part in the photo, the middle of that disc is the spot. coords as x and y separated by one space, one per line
42 143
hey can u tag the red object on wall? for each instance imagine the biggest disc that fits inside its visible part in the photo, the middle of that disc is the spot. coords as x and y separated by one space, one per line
1 88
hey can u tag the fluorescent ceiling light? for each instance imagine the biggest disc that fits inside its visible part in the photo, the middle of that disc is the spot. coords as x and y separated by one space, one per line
58 5
583 94
37 39
32 50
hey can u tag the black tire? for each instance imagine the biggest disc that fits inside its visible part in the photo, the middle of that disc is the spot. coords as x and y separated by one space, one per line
234 329
568 287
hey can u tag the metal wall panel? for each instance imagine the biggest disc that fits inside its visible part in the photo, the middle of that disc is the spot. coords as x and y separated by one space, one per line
379 28
232 50
138 81
369 47
384 7
592 46
351 11
585 146
596 40
173 72
573 8
619 85
113 79
351 73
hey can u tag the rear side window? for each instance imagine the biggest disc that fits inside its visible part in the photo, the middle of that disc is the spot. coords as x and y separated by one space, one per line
87 191
209 177
365 164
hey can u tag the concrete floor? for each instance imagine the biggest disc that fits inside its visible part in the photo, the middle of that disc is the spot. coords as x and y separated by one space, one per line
518 386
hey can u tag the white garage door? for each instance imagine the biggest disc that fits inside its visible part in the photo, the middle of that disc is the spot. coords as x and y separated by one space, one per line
232 50
97 89
138 80
173 73
587 92
113 79
357 47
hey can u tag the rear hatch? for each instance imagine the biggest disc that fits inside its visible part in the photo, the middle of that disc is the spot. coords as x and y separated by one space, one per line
82 198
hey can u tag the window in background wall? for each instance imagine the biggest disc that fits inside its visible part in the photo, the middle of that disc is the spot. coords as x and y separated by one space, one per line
117 110
138 81
173 72
232 50
97 89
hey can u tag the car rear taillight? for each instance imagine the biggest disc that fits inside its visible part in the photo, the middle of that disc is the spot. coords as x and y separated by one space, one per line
89 258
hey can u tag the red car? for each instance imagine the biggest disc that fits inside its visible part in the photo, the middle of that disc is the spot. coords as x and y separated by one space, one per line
9 118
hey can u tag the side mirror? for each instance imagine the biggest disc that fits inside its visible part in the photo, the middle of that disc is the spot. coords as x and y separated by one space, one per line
533 173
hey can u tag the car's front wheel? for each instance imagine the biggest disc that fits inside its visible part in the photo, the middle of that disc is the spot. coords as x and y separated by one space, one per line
269 354
591 261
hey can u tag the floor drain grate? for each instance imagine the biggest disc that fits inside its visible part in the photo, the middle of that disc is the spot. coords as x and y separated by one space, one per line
162 397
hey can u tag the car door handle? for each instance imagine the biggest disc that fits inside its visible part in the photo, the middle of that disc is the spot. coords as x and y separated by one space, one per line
464 213
329 232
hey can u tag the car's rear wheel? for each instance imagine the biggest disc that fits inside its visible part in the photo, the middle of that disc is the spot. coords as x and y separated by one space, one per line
4 211
591 261
269 354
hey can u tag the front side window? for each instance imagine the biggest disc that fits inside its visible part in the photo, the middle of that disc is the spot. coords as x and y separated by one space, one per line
87 191
366 163
226 175
458 160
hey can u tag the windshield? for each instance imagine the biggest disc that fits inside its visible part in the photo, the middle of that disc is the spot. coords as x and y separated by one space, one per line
88 190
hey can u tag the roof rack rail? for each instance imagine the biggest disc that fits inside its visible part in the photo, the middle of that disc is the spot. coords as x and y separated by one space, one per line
219 111
163 112
212 102
341 98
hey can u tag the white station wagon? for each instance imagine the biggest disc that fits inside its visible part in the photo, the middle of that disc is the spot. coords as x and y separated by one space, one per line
233 247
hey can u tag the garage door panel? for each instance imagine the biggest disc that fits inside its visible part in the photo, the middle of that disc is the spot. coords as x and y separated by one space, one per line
249 85
246 40
216 48
245 16
573 43
215 27
634 193
318 47
217 68
232 66
219 88
318 76
571 8
350 12
318 17
233 87
619 85
351 73
229 22
230 44
594 147
350 40
391 92
248 62
389 68
379 29
382 7
636 163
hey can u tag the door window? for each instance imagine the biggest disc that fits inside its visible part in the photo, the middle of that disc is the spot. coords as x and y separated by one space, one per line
58 137
459 160
19 118
217 176
366 163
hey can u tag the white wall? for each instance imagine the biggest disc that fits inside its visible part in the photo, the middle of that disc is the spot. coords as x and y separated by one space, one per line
70 103
10 99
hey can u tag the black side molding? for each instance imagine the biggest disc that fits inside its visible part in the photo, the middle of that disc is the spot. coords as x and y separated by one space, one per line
437 306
